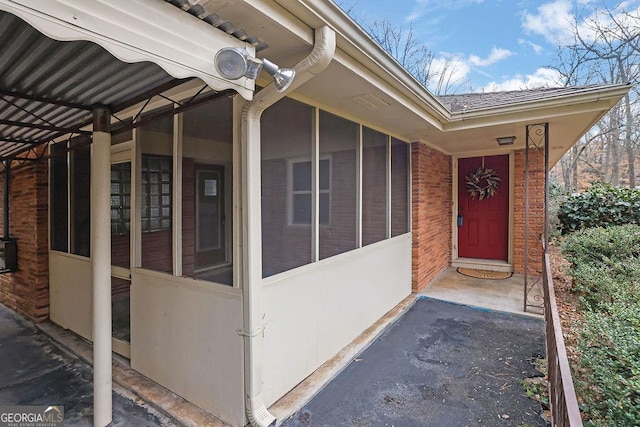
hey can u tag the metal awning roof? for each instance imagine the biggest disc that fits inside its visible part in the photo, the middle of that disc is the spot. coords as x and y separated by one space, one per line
48 88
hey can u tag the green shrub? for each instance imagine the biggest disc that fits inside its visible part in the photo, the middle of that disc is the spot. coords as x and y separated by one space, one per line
601 284
557 198
606 276
597 244
610 352
600 206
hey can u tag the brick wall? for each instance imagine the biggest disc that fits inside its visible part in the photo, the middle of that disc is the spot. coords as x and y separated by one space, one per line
536 205
27 290
431 208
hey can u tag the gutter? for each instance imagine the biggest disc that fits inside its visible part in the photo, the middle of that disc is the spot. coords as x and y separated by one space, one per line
253 309
609 93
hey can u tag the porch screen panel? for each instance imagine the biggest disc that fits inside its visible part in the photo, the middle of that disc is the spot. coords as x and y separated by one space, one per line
59 187
121 214
80 162
339 139
287 137
399 187
207 192
156 185
374 186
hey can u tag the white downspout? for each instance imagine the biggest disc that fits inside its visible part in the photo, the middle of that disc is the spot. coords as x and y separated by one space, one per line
316 62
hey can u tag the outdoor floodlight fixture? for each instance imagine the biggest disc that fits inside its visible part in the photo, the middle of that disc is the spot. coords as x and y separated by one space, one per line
506 140
233 63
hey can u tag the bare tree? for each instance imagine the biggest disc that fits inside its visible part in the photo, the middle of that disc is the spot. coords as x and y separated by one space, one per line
606 49
441 75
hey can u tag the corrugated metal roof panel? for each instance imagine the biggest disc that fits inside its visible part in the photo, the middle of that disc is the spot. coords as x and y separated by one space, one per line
206 11
76 72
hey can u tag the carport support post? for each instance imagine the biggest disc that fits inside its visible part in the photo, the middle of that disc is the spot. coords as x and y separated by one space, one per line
101 262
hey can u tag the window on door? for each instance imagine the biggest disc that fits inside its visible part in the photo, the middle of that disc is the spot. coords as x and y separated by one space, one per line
157 172
156 195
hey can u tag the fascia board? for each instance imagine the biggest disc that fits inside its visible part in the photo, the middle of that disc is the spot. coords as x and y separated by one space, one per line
136 31
589 100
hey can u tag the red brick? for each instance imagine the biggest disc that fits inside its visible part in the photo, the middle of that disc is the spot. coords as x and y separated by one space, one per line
27 290
431 213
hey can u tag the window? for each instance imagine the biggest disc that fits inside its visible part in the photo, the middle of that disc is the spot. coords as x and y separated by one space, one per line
300 199
155 141
207 192
339 140
80 196
374 186
70 172
156 193
120 198
59 187
287 139
362 192
399 187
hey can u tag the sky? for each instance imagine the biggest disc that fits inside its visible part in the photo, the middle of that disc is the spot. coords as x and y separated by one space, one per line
495 44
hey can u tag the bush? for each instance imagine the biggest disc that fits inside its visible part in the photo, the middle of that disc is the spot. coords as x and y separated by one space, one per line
598 244
557 198
600 206
606 275
610 351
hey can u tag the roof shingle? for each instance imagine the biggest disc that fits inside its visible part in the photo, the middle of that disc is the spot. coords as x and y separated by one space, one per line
474 101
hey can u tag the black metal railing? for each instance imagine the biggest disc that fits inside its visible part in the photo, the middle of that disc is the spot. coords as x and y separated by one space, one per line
562 396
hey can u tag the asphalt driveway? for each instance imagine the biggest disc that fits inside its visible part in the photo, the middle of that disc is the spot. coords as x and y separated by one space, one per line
441 364
34 371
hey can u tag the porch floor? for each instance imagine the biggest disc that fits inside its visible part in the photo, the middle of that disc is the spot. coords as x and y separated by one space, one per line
504 295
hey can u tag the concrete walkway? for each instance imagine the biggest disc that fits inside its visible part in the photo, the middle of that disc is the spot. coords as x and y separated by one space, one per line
34 371
441 364
506 295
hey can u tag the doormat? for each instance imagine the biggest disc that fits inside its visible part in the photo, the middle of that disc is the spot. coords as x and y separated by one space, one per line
484 274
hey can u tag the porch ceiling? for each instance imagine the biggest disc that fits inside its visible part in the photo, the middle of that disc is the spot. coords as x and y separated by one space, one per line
564 131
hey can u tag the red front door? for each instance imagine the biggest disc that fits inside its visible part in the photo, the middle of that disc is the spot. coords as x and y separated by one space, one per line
483 225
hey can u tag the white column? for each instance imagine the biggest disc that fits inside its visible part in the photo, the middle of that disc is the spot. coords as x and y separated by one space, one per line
101 262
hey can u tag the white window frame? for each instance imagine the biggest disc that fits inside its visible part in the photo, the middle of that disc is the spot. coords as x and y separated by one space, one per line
291 193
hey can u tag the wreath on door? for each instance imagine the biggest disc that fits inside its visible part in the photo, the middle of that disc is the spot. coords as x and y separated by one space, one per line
483 183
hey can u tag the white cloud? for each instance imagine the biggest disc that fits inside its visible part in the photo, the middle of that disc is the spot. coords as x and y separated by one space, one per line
557 21
543 77
553 20
536 47
497 54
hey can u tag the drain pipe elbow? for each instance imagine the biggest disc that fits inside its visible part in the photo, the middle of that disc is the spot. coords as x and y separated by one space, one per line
324 48
320 57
